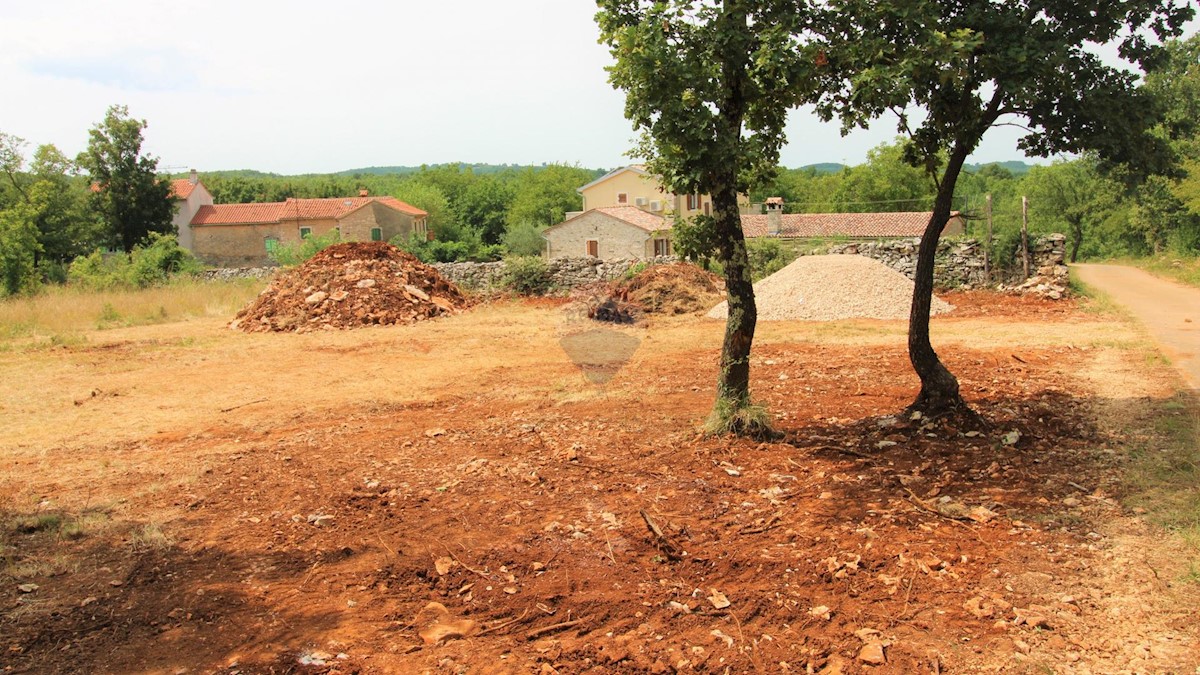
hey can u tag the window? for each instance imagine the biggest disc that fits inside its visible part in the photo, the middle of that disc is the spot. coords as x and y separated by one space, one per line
272 245
305 232
662 247
708 208
376 234
593 248
693 202
622 198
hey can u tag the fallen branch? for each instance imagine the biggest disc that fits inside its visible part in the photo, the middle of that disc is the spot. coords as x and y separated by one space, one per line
673 551
497 627
243 405
538 632
465 566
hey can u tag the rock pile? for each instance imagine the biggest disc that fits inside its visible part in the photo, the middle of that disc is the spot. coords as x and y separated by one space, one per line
348 286
833 287
679 288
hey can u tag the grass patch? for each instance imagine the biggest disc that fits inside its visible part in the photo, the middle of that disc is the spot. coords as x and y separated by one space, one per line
728 418
1163 476
150 537
1184 269
60 313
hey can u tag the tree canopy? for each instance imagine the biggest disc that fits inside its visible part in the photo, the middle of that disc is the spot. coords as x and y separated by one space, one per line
129 198
950 71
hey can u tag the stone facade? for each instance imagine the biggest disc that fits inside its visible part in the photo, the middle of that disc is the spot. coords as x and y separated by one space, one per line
565 273
357 225
614 238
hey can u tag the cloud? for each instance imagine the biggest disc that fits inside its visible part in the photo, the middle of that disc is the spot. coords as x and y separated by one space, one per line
137 70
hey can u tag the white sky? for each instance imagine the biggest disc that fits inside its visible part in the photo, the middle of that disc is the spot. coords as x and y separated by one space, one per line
306 86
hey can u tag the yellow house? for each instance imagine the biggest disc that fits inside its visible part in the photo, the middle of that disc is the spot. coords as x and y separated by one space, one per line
634 186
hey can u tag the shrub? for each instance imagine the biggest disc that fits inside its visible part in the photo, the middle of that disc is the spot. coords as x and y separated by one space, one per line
149 264
527 275
524 239
290 255
767 256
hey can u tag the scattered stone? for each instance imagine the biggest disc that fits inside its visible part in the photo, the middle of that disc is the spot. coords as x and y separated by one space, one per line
872 654
27 588
718 599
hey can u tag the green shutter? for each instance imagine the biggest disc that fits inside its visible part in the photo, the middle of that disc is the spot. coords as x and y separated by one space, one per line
376 234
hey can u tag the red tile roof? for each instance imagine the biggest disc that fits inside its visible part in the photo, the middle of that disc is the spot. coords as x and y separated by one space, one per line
636 217
181 188
868 225
294 209
238 214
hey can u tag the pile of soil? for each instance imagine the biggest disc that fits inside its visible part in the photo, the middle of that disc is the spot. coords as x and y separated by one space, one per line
834 287
678 288
348 286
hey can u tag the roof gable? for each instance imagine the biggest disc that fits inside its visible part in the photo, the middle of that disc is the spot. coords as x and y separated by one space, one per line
627 215
639 169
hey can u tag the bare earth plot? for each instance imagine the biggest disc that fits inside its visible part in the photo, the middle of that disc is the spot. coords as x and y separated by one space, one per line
456 496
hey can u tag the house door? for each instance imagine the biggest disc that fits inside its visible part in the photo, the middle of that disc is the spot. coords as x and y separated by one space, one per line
593 248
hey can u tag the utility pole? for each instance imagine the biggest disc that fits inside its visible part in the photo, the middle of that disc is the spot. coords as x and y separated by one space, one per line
987 243
1025 235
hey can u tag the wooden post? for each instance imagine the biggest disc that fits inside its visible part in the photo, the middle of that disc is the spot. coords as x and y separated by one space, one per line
987 244
1025 236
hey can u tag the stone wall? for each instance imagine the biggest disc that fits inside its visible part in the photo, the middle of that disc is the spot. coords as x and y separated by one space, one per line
959 262
564 272
223 273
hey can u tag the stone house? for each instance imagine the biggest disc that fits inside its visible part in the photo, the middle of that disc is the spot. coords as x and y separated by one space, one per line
610 233
233 235
634 186
189 195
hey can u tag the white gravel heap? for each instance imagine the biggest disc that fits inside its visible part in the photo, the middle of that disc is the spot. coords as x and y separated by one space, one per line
832 287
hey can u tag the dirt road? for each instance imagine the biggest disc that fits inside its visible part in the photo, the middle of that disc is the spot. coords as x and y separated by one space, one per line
1169 311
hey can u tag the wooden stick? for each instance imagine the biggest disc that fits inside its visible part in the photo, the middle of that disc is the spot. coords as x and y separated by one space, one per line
538 632
243 405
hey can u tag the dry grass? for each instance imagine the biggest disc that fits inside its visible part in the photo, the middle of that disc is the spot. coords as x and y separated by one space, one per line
60 314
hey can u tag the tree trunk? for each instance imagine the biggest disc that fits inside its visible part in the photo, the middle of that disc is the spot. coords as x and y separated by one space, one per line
733 381
1076 239
939 387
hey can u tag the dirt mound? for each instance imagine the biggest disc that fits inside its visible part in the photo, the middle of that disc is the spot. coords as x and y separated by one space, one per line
833 287
351 285
678 288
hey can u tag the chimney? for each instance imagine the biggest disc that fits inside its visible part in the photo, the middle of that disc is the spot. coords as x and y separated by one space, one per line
363 193
194 177
774 215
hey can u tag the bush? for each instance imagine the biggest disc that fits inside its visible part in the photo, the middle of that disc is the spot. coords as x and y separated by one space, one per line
448 251
527 275
767 256
290 255
524 239
153 262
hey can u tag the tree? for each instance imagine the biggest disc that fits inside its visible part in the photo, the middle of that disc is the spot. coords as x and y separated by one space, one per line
18 248
966 65
130 199
482 207
708 85
544 195
1072 193
884 183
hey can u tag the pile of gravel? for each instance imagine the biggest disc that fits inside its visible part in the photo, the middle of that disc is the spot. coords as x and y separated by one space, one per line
832 287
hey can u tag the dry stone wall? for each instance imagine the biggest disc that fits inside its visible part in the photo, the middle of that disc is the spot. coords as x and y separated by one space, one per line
959 262
564 272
